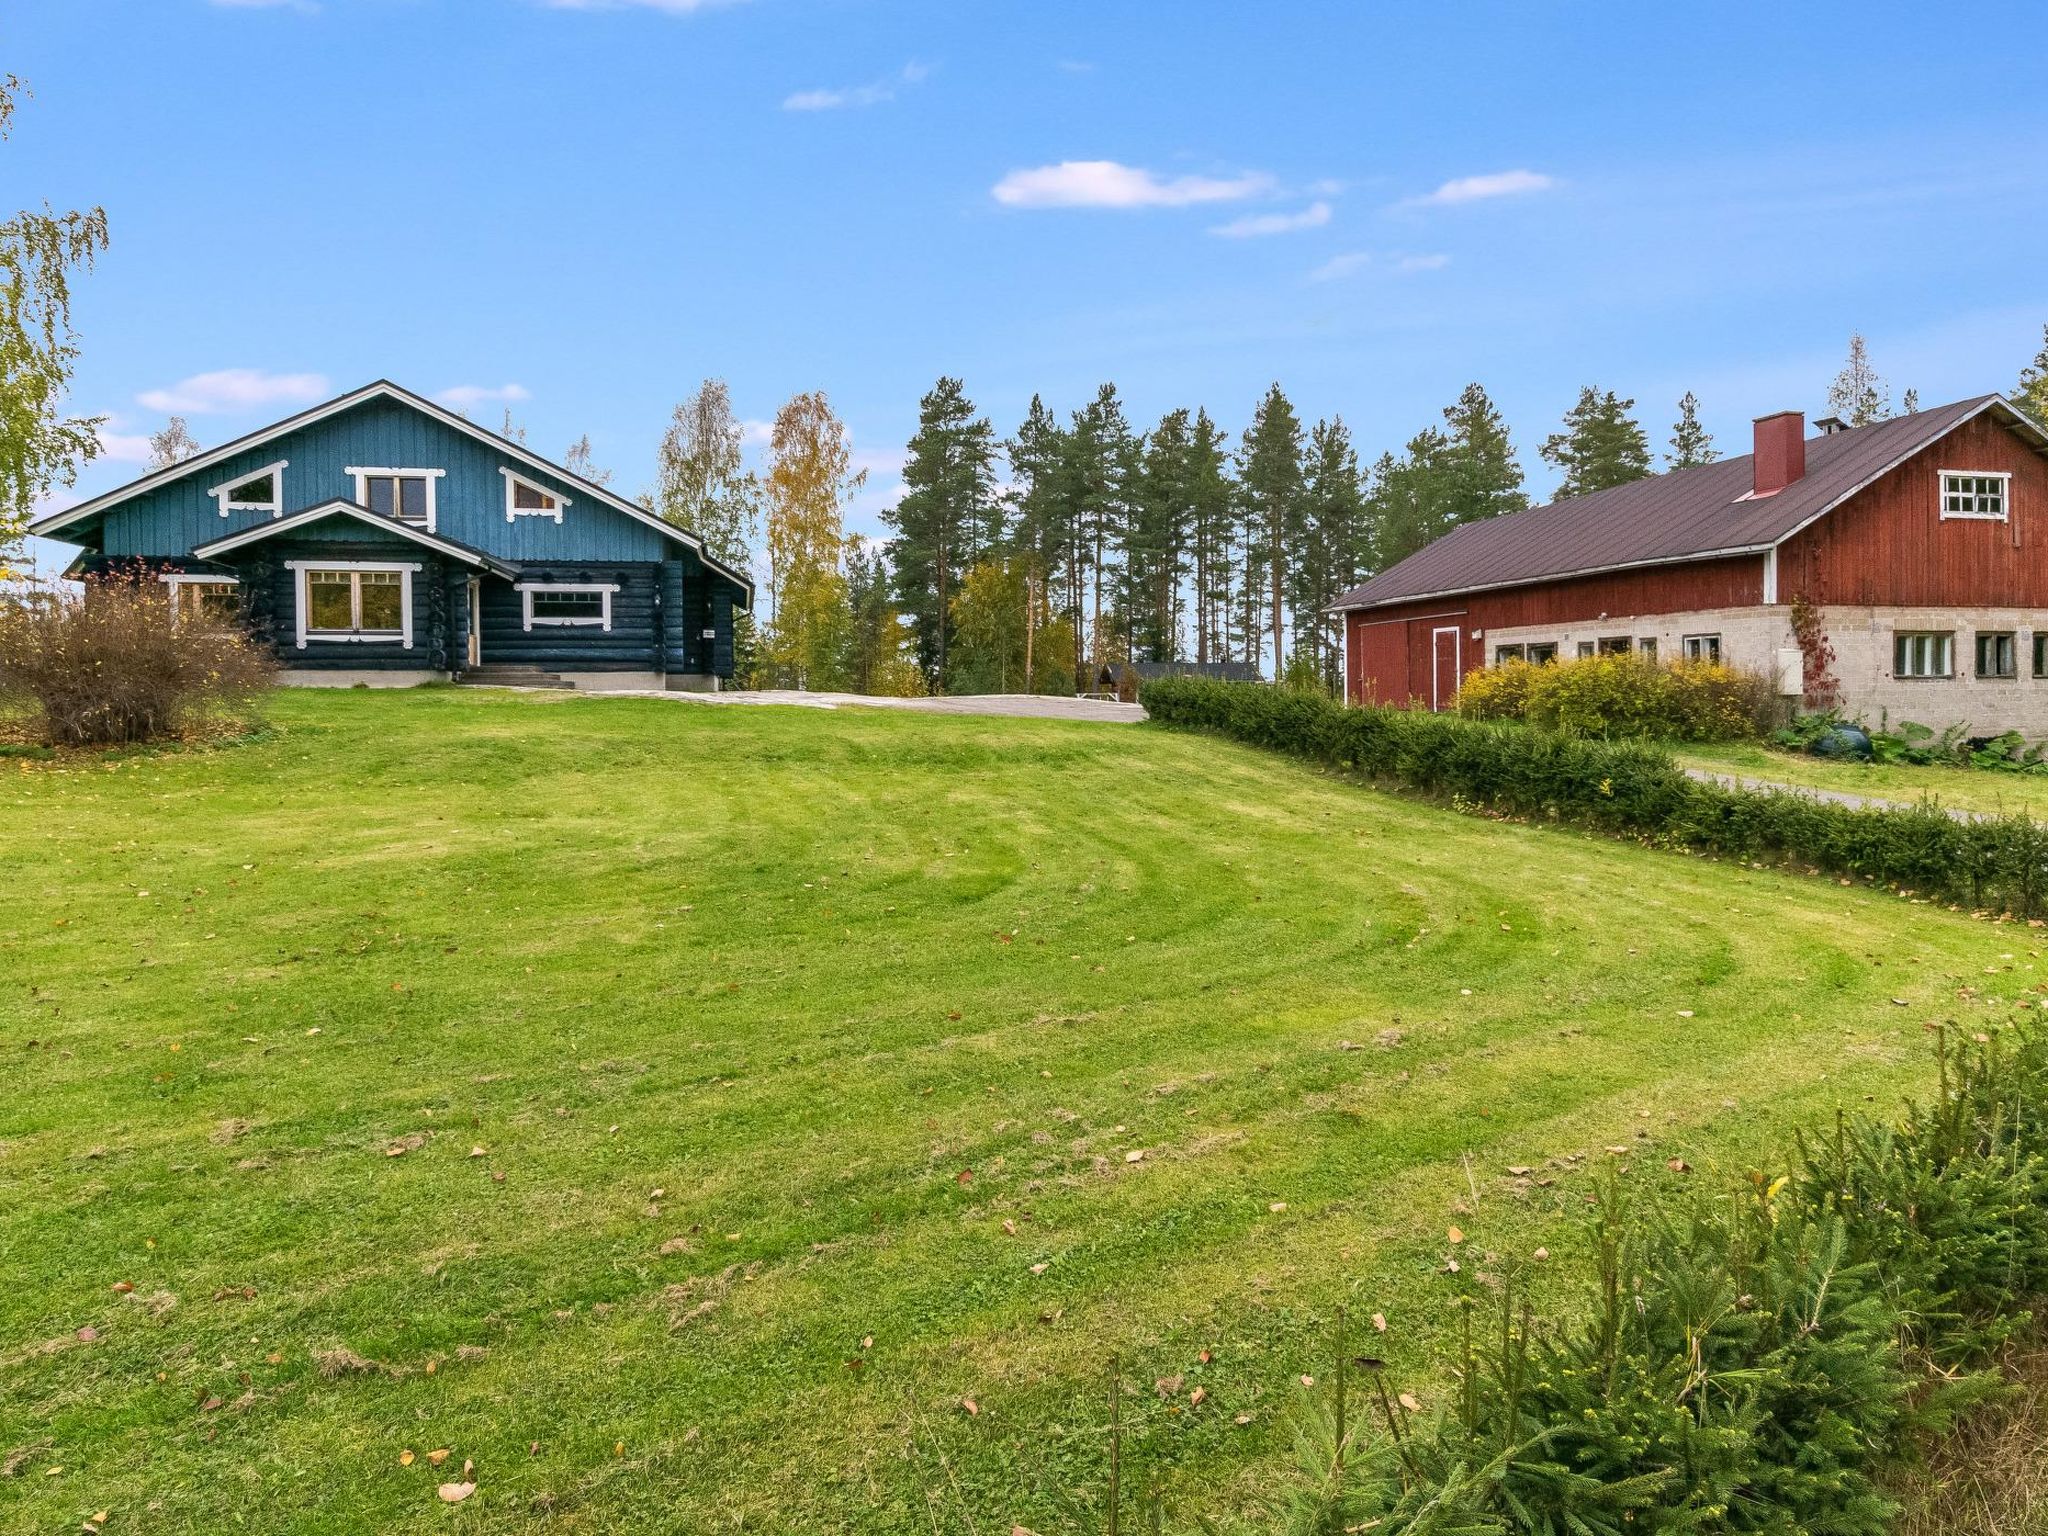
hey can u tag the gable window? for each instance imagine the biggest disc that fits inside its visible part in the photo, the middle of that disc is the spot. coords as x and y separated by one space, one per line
260 491
567 603
1997 654
342 600
1975 493
1702 647
204 599
1507 653
528 498
406 494
1923 653
1541 651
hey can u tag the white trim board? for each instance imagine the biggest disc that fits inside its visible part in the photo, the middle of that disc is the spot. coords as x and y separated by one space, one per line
301 600
360 514
2002 515
385 389
274 506
526 589
513 512
363 473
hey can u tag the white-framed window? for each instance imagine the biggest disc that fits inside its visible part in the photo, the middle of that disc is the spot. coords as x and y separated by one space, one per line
362 600
261 490
1586 648
1614 645
1503 654
1980 493
1997 653
1541 651
529 498
1702 647
1647 647
567 603
1923 653
406 494
214 599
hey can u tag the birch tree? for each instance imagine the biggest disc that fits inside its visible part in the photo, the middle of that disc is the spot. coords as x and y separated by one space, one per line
810 480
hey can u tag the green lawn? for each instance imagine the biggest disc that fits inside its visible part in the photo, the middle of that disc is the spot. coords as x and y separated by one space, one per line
1968 789
723 1042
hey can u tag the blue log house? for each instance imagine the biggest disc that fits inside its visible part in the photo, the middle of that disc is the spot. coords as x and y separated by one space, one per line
382 539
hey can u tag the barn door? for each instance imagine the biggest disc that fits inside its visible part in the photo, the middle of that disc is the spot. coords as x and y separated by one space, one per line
1445 653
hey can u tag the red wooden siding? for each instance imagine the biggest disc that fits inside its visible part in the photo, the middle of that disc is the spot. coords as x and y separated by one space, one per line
1888 545
1390 650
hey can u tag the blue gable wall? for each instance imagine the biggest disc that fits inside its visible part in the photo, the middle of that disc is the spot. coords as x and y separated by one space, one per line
385 433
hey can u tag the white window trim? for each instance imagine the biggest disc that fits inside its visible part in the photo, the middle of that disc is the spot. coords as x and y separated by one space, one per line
2004 512
176 579
298 568
1694 647
274 506
514 513
526 589
1437 702
1945 651
368 472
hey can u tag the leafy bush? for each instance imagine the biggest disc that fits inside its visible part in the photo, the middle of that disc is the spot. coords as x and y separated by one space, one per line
1624 695
1629 787
108 665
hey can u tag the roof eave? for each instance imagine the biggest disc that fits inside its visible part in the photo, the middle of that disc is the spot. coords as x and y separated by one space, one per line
336 507
1731 553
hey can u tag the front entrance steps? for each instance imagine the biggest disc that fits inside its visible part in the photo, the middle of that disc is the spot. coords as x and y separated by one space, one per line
511 677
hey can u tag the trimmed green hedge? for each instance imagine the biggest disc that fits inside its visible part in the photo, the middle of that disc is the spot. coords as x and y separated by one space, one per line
1628 788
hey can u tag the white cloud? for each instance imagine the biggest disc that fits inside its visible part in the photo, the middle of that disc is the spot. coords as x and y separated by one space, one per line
234 389
463 396
123 447
1473 189
874 93
1351 263
1252 225
1107 184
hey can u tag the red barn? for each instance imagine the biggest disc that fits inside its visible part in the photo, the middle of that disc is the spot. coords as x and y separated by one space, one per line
1922 542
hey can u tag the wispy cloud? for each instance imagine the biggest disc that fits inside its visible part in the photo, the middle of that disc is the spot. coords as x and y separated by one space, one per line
1474 189
1078 66
123 447
1108 184
1253 225
234 389
462 396
1351 263
874 93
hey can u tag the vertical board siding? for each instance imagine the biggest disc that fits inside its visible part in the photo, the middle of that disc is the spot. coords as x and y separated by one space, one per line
1888 545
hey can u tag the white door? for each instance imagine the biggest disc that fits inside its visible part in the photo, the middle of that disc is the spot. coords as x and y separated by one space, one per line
1446 647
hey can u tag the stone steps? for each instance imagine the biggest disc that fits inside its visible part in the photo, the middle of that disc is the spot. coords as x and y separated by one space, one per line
511 677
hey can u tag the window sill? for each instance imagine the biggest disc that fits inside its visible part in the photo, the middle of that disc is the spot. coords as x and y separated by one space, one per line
1973 517
334 636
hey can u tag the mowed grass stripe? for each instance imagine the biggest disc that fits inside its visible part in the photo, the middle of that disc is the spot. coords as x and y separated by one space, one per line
518 923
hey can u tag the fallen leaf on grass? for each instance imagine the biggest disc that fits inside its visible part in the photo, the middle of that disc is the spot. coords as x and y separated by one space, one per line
406 1458
1408 1401
1379 1322
87 1334
1198 1397
123 1287
1456 1235
1277 1207
973 1408
1679 1165
478 1152
964 1176
1541 1255
437 1457
455 1493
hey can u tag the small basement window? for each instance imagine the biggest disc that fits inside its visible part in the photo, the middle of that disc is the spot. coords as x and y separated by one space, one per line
1541 651
1586 649
567 604
1647 647
1614 645
1702 647
1506 653
1974 493
1997 654
2041 653
1923 653
526 498
262 491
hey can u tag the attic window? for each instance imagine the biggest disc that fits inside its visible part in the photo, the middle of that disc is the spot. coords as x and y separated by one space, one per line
262 491
1975 493
526 498
404 494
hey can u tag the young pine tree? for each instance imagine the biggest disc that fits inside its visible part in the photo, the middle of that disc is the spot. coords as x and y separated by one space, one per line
948 515
1601 445
1162 514
1691 446
1100 460
1271 481
1414 498
880 659
1332 522
1480 459
1211 497
1858 395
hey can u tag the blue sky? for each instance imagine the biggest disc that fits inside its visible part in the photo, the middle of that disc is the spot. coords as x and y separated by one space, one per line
590 205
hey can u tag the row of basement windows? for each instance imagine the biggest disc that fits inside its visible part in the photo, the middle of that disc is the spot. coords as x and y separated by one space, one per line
1695 647
1932 652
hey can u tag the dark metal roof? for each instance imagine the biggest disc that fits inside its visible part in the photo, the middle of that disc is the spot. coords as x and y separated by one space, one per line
1687 514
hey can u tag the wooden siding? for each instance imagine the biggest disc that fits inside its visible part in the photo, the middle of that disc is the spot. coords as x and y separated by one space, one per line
1390 654
1888 546
270 603
632 644
469 497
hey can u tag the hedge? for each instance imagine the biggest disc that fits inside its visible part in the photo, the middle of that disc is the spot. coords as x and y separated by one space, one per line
1628 788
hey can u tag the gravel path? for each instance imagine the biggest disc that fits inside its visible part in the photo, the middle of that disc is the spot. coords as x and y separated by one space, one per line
1827 796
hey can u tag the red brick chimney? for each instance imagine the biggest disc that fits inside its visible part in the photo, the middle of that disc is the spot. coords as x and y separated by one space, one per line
1780 451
